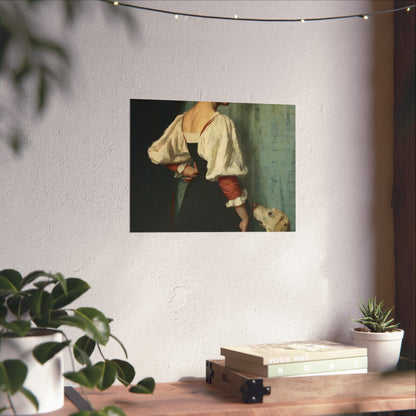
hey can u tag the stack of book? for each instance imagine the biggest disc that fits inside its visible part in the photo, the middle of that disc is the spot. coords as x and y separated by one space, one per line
296 359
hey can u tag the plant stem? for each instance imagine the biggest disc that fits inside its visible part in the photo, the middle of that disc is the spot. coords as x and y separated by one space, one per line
11 404
101 353
19 310
73 369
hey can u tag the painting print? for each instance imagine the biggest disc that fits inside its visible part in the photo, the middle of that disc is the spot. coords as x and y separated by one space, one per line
211 167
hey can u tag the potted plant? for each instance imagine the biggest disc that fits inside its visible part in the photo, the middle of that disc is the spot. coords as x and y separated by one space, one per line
34 310
380 335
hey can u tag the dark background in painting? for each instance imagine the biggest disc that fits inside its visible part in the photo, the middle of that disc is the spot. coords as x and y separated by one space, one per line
267 138
152 187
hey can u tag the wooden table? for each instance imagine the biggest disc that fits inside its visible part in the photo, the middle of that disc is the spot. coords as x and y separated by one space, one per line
200 398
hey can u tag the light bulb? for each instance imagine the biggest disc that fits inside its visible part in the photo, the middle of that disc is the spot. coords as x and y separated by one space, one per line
176 16
236 16
115 3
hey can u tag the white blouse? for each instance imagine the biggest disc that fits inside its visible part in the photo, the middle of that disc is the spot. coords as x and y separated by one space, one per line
218 145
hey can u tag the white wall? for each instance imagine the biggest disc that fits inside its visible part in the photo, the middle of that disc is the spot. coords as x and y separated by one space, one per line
176 299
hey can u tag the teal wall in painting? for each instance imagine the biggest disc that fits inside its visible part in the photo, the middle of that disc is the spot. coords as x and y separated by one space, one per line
267 138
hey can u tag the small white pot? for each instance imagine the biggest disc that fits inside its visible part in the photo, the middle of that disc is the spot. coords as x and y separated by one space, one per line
383 348
44 381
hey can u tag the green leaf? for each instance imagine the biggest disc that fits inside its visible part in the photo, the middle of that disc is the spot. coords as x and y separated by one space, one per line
43 89
31 277
75 288
145 386
45 351
125 371
91 321
52 46
62 281
7 287
83 349
389 312
75 321
13 276
83 413
18 327
82 356
3 312
12 375
110 411
105 411
30 396
40 304
44 283
375 318
54 277
98 328
56 315
20 73
108 374
18 305
88 377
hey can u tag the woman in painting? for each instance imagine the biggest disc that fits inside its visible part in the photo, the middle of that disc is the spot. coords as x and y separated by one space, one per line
201 147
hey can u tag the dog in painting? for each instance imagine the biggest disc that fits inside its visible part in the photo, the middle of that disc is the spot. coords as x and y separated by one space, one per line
271 219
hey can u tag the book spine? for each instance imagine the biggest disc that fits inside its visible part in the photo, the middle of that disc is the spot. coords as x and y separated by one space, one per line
313 367
333 373
309 367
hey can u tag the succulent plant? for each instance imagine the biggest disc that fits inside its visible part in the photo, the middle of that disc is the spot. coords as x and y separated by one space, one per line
375 317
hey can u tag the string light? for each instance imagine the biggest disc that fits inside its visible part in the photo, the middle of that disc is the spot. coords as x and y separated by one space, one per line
246 19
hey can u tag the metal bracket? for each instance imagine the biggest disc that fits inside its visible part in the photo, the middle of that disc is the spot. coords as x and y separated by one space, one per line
253 391
77 399
209 372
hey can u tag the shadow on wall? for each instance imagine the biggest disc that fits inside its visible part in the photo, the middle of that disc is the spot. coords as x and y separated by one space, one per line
382 145
267 138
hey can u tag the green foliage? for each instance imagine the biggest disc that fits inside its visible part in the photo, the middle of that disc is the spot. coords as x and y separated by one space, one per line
29 395
40 300
145 386
40 63
125 371
44 352
12 375
88 376
375 317
105 411
83 349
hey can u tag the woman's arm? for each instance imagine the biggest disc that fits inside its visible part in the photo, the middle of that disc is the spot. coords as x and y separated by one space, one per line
232 190
243 214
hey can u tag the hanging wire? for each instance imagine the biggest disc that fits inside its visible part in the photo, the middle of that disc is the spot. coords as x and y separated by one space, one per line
248 19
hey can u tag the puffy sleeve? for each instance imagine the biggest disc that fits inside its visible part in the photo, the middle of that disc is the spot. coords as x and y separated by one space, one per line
221 150
171 147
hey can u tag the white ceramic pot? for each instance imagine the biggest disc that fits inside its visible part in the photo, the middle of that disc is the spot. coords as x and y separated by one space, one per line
44 381
383 348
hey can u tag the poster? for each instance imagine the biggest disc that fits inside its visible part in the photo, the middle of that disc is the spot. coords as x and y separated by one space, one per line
266 140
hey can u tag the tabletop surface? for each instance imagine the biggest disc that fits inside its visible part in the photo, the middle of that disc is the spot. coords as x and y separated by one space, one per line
200 398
